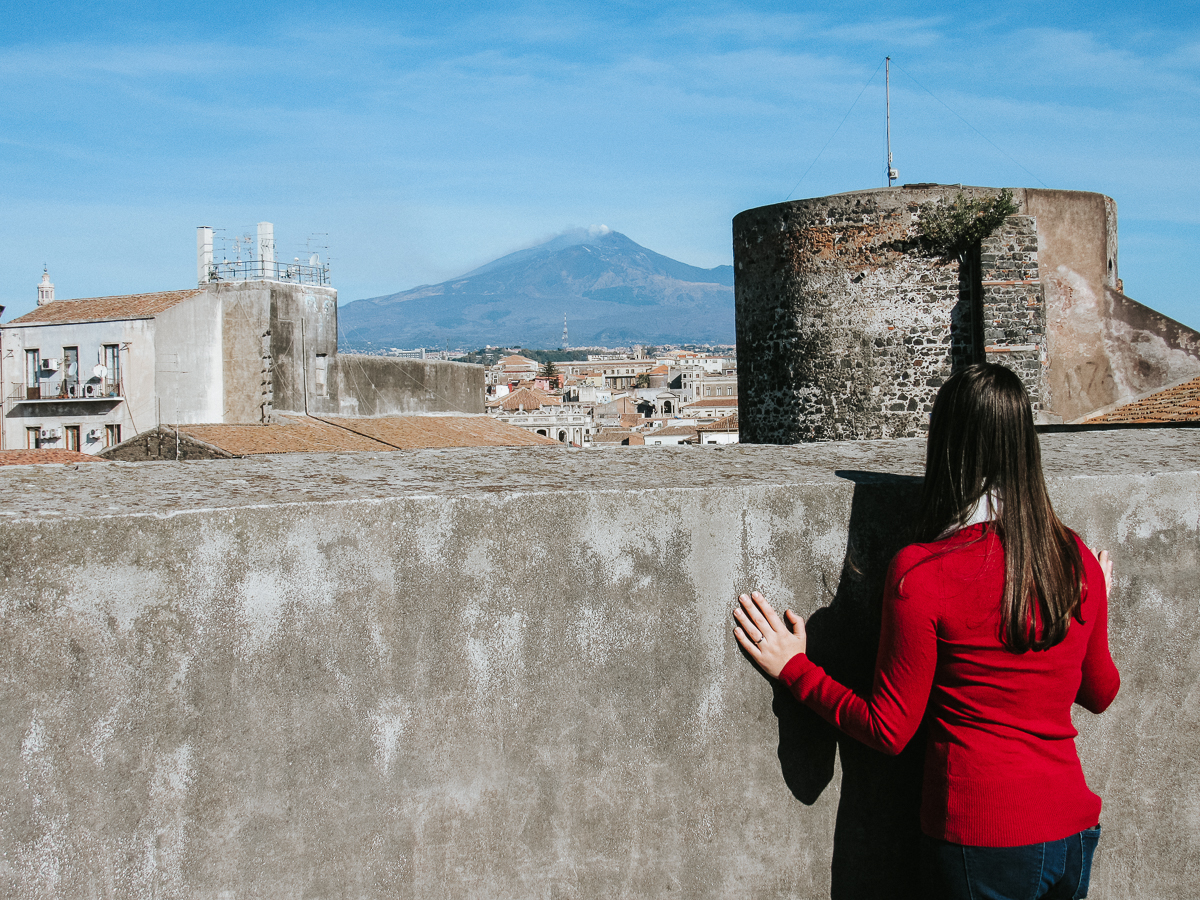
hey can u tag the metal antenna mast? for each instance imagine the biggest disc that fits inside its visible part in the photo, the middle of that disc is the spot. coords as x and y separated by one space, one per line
892 174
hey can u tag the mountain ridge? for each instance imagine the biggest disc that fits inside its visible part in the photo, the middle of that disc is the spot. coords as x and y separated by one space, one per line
611 289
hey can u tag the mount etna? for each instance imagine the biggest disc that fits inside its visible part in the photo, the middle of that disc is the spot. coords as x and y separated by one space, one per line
611 290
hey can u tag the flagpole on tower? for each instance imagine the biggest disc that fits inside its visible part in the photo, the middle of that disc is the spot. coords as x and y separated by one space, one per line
892 174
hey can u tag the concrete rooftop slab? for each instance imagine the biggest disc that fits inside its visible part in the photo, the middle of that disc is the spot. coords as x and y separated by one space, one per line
168 488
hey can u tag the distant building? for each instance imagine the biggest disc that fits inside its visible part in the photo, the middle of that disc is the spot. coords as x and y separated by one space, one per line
566 424
617 437
658 376
515 368
712 409
621 411
587 392
722 431
695 382
546 415
671 436
252 340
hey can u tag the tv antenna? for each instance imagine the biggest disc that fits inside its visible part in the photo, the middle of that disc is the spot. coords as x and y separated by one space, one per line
892 174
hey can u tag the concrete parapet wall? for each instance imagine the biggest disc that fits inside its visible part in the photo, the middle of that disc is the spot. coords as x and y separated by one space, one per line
386 386
510 673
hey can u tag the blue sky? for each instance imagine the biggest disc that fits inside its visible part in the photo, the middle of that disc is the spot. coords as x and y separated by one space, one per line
425 141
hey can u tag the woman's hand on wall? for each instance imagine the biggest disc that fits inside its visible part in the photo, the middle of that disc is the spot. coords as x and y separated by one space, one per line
764 635
1105 566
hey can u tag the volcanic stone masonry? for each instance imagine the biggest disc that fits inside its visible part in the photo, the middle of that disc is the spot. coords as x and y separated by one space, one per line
847 327
1013 304
846 330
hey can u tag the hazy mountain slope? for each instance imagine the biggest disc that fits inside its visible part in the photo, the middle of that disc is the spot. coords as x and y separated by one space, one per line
612 291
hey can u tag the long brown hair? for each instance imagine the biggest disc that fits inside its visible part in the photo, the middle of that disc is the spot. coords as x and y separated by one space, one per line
982 438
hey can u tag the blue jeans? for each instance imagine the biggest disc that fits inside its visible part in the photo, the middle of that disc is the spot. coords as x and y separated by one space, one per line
1055 870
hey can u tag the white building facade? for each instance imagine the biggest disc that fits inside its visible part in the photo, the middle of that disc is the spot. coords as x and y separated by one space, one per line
87 374
565 424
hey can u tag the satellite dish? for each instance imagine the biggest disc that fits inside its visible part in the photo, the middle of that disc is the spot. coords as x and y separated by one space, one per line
313 260
73 369
100 371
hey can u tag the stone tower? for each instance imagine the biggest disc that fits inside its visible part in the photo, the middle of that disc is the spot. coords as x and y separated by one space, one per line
846 327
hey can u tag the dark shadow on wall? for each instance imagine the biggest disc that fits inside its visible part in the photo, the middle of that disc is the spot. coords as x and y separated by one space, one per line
876 836
966 318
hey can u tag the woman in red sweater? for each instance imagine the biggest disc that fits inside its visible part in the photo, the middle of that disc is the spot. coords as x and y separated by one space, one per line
993 626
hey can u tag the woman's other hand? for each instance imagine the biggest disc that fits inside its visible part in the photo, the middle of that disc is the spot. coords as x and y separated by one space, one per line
1105 566
764 636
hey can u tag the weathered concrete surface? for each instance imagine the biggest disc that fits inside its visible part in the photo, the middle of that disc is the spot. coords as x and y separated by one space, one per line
272 336
509 674
385 386
1104 348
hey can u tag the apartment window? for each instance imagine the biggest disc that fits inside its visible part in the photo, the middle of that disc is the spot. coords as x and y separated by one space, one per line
72 432
70 372
112 435
33 438
112 362
33 365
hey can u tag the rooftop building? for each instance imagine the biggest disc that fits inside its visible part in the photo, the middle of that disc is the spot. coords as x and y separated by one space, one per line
250 342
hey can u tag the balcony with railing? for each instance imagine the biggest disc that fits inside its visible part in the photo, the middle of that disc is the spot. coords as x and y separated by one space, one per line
269 270
99 391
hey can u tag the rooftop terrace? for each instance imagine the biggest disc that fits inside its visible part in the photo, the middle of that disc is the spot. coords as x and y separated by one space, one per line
509 673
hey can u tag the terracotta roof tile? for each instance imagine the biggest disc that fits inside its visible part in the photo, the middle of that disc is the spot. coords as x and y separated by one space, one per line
39 457
518 362
673 431
301 434
622 405
729 423
1178 404
710 402
530 398
617 436
294 435
104 309
419 432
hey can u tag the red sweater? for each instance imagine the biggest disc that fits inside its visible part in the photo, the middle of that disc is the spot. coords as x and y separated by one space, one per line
1000 764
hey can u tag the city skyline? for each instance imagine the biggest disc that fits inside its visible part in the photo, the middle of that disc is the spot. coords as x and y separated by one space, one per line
427 142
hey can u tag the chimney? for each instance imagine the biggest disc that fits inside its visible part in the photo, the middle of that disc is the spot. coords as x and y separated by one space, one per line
204 254
266 250
45 289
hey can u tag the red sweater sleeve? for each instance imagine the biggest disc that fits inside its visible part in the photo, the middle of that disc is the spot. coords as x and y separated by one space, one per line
904 669
1101 680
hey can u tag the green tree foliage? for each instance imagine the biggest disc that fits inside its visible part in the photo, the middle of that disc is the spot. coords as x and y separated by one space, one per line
549 370
954 228
643 380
